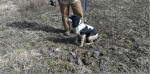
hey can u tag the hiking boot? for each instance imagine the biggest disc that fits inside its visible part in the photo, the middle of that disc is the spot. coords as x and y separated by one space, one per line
67 33
72 31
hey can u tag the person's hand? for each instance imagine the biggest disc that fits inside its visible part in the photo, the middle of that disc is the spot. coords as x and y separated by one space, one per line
53 2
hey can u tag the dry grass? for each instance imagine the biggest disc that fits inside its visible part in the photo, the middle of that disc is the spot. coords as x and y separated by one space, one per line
29 44
29 6
19 60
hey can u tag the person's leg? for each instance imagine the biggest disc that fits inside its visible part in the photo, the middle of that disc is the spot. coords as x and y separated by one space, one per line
77 9
65 13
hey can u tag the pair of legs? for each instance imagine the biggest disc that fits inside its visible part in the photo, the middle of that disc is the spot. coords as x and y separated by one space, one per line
65 8
89 40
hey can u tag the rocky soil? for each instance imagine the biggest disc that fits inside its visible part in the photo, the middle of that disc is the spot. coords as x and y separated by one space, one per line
32 40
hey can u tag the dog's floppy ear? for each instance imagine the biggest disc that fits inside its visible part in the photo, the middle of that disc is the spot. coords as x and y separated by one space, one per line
75 20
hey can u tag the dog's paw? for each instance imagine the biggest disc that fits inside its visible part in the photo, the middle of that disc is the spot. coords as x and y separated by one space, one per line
77 43
89 43
81 46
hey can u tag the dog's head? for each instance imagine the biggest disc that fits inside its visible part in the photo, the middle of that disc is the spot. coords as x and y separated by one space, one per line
75 20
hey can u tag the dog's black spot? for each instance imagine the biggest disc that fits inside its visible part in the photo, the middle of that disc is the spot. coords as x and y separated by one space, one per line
75 21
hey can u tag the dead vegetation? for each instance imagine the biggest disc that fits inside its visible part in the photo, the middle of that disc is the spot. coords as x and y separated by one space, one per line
32 40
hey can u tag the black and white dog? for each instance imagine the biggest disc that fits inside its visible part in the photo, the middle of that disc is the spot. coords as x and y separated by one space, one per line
83 31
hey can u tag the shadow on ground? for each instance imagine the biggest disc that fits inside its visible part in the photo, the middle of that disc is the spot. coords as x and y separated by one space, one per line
33 26
64 40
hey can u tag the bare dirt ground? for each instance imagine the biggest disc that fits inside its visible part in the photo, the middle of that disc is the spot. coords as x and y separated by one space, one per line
32 40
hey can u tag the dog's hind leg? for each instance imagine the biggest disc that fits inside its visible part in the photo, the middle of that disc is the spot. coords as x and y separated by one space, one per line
90 42
91 39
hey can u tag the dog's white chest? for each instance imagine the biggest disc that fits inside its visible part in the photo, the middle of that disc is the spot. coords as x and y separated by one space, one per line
79 28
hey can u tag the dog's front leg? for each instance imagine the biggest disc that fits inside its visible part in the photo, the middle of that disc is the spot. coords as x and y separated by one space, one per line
82 40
